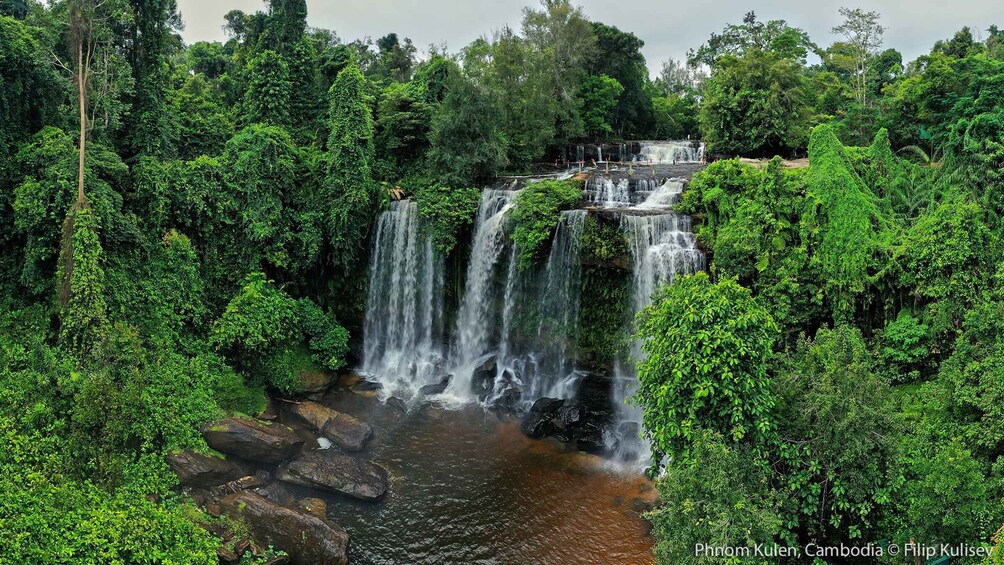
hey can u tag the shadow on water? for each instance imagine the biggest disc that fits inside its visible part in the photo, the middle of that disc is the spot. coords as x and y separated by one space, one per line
467 487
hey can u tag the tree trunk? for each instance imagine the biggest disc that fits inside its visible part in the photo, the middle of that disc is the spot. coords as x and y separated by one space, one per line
82 101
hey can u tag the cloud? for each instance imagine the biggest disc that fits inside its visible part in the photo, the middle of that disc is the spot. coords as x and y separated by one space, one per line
669 28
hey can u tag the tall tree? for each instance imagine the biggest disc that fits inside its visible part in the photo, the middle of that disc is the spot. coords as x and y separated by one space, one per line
619 57
864 37
151 127
774 36
83 312
560 33
267 99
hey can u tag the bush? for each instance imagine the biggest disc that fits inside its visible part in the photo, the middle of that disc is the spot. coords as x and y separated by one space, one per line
536 213
707 347
446 211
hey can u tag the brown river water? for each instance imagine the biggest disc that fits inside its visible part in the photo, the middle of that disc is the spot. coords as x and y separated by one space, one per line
468 487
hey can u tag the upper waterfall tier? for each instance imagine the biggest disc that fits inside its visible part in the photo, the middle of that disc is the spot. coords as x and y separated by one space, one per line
666 152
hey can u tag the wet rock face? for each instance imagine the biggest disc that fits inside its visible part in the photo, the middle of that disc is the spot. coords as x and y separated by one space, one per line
337 473
483 378
251 439
539 422
203 471
436 388
347 432
570 421
307 539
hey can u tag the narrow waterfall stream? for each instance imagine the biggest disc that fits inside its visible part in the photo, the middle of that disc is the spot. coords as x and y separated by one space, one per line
662 247
475 330
541 355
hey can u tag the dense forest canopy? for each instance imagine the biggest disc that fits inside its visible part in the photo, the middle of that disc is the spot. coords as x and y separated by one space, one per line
185 227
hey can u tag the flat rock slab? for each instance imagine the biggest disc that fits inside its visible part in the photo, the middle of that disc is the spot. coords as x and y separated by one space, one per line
306 538
251 439
342 474
202 470
345 431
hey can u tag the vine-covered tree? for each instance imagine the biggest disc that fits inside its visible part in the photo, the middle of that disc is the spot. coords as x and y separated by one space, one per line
349 190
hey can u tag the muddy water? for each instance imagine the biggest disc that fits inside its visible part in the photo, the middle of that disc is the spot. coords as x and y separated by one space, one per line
467 487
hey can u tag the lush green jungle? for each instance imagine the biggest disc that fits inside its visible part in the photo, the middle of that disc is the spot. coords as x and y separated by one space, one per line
185 227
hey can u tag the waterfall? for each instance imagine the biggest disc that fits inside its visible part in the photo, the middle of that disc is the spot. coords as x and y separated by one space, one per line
404 313
662 247
671 152
540 318
478 308
527 318
608 193
664 196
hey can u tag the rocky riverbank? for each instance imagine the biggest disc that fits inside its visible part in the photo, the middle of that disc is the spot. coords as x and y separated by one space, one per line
281 473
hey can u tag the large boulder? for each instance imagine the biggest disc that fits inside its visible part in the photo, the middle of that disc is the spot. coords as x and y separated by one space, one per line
435 388
483 378
345 431
251 439
539 421
338 473
307 539
203 471
314 380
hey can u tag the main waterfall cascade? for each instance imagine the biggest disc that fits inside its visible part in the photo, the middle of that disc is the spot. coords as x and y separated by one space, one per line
404 311
514 337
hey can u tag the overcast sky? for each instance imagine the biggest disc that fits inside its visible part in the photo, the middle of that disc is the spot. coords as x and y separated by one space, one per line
668 27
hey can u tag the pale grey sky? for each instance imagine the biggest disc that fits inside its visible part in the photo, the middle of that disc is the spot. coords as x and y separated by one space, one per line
669 28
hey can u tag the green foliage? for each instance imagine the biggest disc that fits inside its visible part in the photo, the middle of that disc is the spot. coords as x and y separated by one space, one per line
842 224
971 381
47 191
262 165
267 100
599 98
754 105
604 314
904 346
446 212
402 130
83 313
707 347
618 56
257 318
939 253
267 333
536 212
467 141
348 185
30 89
838 438
946 498
328 340
603 242
719 496
752 228
675 117
775 37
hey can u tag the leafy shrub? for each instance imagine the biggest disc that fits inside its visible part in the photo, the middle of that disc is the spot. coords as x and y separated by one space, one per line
707 348
536 213
445 212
